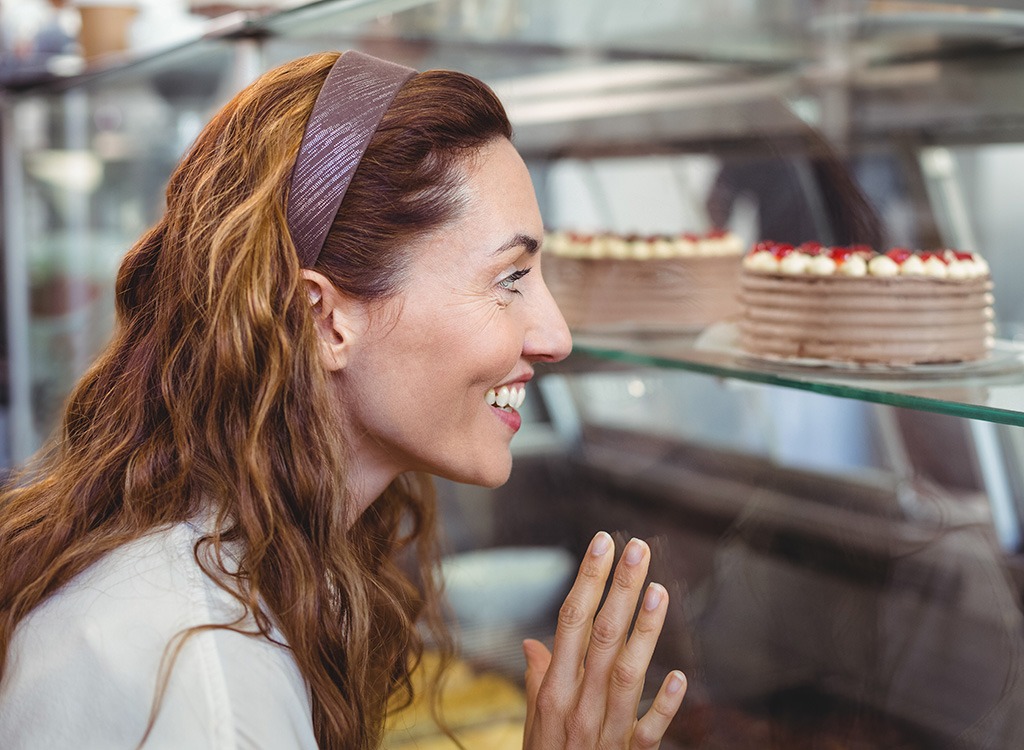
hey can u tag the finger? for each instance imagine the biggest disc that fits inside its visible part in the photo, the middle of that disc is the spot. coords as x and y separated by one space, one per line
652 726
612 623
626 682
576 617
537 660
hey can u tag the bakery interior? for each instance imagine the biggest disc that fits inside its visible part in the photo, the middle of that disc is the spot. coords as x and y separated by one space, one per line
844 546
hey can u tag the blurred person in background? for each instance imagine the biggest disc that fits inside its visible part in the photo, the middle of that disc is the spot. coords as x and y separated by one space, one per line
33 33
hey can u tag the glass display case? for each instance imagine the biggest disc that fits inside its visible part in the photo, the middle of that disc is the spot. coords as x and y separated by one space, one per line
843 545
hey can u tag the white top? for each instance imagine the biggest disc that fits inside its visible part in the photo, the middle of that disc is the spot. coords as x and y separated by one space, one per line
82 669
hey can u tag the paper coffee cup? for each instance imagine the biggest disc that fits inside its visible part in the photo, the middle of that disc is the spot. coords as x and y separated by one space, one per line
105 28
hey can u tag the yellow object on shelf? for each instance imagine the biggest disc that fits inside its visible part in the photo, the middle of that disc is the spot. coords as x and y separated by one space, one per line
485 711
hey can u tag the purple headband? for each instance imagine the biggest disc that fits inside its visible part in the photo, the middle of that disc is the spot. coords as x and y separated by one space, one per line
348 110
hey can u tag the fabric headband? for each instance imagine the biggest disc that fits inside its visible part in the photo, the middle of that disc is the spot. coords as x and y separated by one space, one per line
348 110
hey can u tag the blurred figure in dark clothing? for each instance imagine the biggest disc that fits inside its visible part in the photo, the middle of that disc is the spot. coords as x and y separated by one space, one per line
805 195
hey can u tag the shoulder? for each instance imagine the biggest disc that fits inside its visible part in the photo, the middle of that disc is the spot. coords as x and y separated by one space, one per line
86 663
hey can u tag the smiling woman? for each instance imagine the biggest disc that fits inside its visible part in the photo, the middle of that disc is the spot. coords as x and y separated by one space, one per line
344 295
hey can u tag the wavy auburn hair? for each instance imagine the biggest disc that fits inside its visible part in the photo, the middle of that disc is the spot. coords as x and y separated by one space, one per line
211 396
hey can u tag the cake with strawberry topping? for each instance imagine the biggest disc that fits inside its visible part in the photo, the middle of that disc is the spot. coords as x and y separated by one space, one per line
856 305
613 282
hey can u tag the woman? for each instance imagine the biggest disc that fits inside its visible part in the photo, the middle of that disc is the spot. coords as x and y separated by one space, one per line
207 557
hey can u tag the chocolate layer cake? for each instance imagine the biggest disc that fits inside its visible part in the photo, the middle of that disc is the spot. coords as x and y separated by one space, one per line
854 305
661 283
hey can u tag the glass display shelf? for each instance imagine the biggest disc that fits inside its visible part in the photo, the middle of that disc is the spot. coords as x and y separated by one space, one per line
990 390
517 36
780 33
581 81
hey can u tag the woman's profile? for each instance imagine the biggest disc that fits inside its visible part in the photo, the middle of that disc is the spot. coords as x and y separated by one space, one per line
343 297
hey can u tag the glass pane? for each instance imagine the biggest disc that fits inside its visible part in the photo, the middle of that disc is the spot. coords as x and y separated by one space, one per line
844 601
991 390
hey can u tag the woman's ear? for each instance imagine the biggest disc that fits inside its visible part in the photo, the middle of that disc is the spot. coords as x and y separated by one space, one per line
338 318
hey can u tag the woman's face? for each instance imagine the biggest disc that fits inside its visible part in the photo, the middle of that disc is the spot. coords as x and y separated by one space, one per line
473 317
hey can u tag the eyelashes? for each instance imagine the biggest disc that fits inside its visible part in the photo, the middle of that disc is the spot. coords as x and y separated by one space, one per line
509 282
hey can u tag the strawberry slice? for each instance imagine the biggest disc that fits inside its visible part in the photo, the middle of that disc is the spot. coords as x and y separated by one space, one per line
840 254
899 254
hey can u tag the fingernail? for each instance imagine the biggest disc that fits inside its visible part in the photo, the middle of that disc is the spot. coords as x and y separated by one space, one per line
676 682
601 544
653 597
634 552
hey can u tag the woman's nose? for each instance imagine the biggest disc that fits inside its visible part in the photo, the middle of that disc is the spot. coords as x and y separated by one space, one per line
547 338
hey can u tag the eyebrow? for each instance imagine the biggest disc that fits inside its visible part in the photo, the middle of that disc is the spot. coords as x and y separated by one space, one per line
525 241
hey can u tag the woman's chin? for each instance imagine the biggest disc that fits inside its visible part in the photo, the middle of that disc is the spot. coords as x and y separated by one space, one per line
490 476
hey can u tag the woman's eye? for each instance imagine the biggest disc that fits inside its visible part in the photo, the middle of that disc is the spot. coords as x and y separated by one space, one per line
509 282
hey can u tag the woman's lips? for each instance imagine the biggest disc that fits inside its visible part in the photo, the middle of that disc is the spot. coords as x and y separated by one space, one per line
510 417
506 400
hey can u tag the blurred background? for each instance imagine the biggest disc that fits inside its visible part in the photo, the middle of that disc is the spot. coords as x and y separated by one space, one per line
844 552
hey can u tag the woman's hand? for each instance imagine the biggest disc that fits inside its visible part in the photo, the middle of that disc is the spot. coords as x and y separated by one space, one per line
572 707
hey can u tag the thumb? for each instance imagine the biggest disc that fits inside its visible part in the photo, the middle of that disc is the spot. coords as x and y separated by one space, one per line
538 659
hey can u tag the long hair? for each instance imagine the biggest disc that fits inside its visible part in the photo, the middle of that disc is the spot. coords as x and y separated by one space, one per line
211 397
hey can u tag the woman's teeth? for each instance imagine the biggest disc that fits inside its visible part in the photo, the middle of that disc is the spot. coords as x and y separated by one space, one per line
507 397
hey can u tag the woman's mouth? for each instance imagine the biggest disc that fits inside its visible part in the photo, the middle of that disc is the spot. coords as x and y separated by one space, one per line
505 401
507 397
